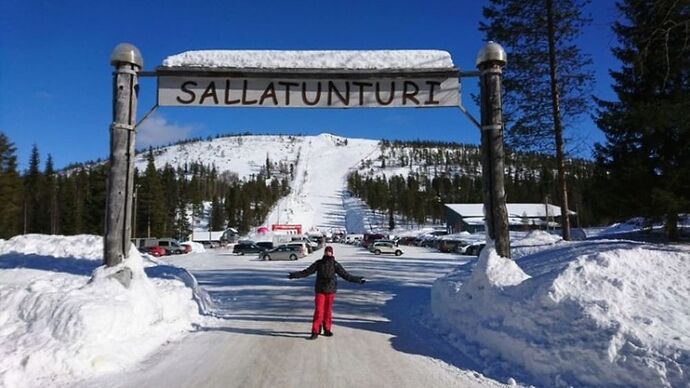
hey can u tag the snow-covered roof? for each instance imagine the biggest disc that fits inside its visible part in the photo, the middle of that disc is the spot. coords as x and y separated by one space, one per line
312 59
530 210
205 235
512 220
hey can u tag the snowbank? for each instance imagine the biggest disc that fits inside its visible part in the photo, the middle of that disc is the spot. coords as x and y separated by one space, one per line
638 224
62 318
85 246
587 313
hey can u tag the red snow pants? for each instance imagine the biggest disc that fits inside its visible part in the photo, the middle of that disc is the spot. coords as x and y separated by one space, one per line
323 311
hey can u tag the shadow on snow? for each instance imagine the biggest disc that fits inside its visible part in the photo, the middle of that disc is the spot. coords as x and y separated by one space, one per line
388 303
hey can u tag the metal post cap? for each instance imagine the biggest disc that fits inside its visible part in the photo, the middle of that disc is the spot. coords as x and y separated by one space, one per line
491 52
126 53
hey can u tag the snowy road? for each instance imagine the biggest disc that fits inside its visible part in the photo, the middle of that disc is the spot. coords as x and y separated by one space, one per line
259 339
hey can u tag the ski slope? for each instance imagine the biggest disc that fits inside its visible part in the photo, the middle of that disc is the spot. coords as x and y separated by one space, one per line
316 198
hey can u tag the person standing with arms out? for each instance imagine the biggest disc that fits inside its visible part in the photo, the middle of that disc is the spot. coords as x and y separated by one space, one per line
326 286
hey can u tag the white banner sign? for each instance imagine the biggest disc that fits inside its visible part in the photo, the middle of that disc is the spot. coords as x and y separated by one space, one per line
398 92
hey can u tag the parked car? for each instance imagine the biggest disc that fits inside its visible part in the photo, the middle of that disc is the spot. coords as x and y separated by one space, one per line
187 246
475 249
406 240
448 246
319 240
385 247
266 245
243 247
394 242
171 246
370 238
302 247
157 251
311 245
281 252
429 242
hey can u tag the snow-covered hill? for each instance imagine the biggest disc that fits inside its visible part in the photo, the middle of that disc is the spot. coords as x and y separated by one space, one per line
243 155
246 154
316 200
319 164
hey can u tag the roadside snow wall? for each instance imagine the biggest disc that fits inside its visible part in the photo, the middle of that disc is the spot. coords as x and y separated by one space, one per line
592 313
62 318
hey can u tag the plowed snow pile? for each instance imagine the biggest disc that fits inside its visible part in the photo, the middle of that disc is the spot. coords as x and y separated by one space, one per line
590 313
62 317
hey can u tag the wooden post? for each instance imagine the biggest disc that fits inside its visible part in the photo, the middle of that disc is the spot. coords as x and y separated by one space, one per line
127 61
490 62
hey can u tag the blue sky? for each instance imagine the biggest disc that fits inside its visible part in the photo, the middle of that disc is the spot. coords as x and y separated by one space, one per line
56 85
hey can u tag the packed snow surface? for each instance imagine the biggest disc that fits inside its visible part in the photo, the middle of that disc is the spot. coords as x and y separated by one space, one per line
259 338
309 59
62 317
596 313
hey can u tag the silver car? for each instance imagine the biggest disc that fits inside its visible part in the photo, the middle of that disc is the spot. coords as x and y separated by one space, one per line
301 247
281 252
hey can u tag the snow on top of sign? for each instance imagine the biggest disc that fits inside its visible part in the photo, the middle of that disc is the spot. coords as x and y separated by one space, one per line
276 59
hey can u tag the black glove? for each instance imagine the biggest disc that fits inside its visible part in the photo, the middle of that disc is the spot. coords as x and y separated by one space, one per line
362 281
291 276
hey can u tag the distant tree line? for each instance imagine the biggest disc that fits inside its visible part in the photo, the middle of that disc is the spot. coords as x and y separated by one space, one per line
439 173
42 200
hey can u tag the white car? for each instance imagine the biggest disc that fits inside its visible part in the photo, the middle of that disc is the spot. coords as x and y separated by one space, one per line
385 247
311 245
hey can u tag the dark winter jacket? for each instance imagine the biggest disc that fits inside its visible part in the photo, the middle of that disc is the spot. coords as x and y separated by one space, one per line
326 268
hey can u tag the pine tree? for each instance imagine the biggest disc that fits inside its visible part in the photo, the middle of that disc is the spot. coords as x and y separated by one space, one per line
171 194
182 227
10 190
95 194
151 202
231 205
547 72
49 202
32 185
645 162
217 221
83 190
67 195
522 28
269 169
